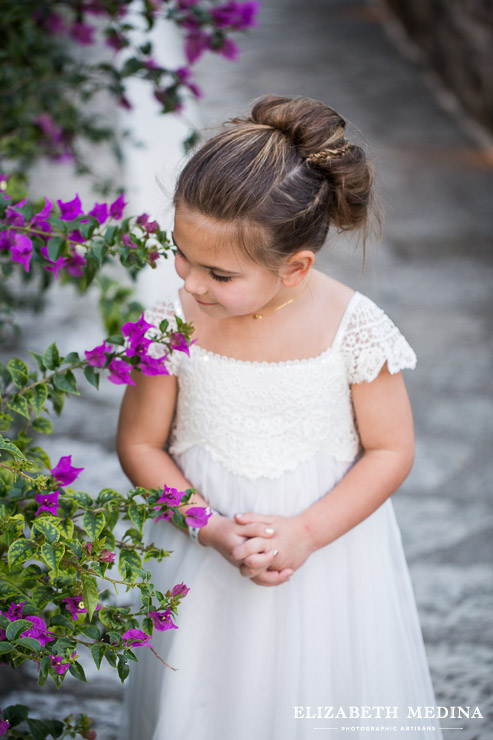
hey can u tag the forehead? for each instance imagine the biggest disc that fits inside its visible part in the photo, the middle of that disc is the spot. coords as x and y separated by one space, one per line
206 239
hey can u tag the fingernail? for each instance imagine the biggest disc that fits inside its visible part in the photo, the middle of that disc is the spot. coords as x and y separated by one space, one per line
269 530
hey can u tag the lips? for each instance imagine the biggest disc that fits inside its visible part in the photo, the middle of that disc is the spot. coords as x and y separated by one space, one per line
203 303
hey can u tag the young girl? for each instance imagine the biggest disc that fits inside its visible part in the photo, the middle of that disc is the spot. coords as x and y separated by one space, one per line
292 421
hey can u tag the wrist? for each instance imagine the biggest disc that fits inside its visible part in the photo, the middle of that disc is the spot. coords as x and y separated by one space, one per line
202 535
308 530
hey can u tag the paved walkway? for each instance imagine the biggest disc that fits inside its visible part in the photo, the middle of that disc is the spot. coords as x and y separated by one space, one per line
431 273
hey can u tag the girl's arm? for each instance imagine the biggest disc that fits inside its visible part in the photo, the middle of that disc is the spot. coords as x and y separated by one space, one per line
145 420
385 424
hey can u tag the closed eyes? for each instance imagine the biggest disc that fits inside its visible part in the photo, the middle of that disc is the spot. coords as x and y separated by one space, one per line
215 276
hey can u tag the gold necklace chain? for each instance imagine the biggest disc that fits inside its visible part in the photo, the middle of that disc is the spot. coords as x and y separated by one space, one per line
261 315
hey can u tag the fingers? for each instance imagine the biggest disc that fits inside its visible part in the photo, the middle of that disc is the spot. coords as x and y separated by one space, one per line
273 577
251 516
250 546
257 529
257 563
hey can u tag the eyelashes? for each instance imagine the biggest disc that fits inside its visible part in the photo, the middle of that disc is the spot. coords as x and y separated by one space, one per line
214 276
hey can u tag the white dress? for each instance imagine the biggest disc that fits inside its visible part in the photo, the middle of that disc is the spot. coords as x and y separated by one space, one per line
343 634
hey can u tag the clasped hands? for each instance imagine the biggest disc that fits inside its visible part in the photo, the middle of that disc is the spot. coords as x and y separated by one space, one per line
250 541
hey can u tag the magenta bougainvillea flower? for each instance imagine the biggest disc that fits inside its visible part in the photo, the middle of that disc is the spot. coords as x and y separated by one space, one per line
105 555
96 357
75 265
14 611
195 44
38 630
178 342
4 725
135 638
162 620
64 472
22 250
116 208
48 501
75 606
197 516
120 372
151 366
235 15
100 212
13 217
170 497
54 265
71 209
135 331
58 663
179 589
82 33
229 50
167 515
127 241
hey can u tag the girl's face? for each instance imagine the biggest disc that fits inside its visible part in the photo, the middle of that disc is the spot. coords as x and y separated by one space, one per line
223 281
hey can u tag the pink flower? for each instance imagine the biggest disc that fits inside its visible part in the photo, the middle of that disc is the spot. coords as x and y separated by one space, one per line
64 472
96 357
57 662
197 516
38 630
235 15
22 250
126 240
125 103
4 726
170 497
136 638
82 33
54 265
120 372
195 44
75 606
14 611
179 590
106 556
100 212
150 366
135 332
178 342
151 63
71 209
229 50
75 263
116 208
48 501
166 516
54 23
13 217
52 133
162 620
45 213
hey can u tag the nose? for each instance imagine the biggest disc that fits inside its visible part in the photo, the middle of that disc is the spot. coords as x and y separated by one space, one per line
193 283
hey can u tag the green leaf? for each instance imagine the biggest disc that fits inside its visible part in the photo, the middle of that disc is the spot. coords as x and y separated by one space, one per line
60 621
87 230
41 595
39 730
116 339
108 495
93 523
90 630
66 382
66 528
39 361
15 628
8 446
5 647
40 394
131 559
51 357
109 236
111 658
91 376
77 671
72 358
123 668
137 515
46 526
29 642
84 499
97 651
19 405
20 548
52 555
43 426
15 714
39 457
90 595
19 371
56 246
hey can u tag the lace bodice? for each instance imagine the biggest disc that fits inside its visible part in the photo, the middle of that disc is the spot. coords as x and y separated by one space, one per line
265 418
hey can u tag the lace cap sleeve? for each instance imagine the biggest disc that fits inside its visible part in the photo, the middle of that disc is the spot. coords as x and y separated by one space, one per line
164 309
370 339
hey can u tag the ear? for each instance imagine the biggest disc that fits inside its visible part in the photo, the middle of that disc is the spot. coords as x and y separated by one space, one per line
296 268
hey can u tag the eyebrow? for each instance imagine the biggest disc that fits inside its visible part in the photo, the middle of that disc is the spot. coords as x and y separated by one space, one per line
209 267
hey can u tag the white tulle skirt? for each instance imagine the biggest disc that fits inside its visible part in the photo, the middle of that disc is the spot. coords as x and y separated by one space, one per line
257 663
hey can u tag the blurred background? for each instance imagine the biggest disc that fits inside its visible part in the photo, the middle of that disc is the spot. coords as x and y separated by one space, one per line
415 80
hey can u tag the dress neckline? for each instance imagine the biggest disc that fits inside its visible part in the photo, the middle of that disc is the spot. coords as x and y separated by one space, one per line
196 348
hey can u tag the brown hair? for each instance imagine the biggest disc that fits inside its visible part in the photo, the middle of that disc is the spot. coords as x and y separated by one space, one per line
286 168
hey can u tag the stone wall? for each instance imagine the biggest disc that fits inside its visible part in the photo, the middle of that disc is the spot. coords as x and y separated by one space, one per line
457 39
